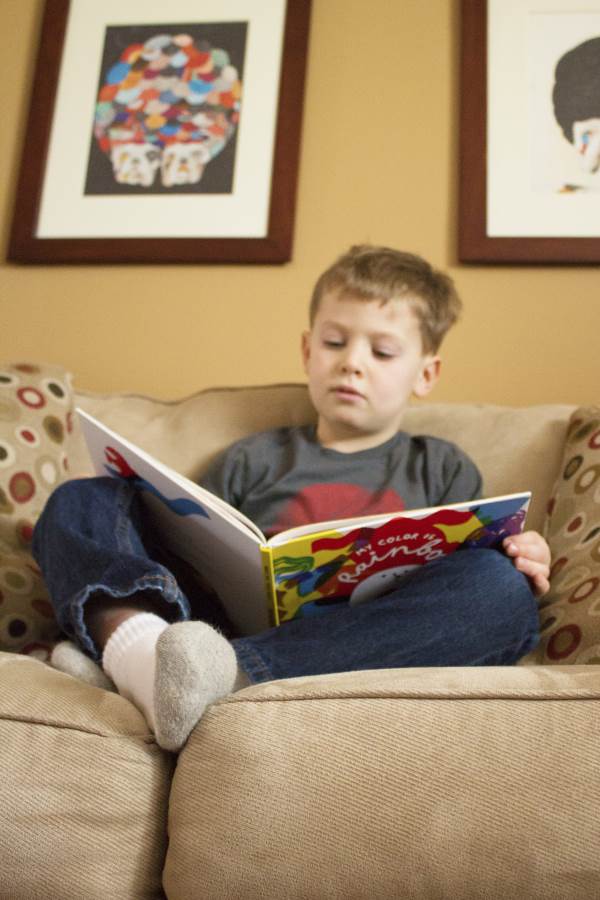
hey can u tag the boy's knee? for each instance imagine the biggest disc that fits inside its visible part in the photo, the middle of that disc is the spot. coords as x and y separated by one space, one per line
507 598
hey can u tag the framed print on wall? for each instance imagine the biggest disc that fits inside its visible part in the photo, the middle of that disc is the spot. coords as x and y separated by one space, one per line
530 132
163 133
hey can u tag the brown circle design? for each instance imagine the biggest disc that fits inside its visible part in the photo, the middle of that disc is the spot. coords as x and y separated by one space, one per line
54 428
17 628
595 552
591 534
586 429
564 642
21 487
544 626
56 389
27 368
573 428
572 466
584 590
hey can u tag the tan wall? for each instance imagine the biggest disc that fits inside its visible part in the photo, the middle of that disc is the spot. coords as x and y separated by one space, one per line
379 163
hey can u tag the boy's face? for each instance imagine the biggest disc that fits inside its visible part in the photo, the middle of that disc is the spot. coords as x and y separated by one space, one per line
364 361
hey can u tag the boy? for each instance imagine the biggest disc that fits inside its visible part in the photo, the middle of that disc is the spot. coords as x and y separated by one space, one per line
377 318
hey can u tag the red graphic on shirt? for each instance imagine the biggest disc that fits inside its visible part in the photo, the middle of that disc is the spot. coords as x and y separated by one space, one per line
321 502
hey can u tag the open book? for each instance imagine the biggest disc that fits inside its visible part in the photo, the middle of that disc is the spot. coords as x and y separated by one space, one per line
304 570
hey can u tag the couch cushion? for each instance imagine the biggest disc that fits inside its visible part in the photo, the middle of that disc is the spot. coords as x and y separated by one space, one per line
36 409
84 789
515 448
415 783
570 613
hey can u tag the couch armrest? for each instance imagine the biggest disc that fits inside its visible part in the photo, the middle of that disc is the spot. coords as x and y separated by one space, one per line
420 783
84 789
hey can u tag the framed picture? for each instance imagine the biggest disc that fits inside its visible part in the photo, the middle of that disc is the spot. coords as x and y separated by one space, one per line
164 133
530 132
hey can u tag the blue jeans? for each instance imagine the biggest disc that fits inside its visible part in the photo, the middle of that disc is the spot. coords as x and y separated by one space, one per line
471 609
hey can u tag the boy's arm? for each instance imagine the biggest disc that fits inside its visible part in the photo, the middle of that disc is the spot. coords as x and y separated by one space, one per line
531 555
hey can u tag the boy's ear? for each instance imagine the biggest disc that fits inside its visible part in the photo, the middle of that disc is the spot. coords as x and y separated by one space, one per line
305 347
428 376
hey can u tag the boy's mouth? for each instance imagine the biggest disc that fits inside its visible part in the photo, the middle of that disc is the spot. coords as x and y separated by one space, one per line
345 391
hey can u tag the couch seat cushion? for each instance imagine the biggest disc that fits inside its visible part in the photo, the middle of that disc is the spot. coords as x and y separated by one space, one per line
415 783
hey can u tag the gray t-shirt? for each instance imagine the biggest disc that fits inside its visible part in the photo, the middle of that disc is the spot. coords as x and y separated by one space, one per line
283 478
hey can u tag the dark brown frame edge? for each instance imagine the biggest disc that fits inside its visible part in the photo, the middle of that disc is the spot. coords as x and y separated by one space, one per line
474 245
276 247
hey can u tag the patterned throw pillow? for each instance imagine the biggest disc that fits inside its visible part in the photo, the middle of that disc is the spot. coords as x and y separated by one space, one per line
36 420
570 613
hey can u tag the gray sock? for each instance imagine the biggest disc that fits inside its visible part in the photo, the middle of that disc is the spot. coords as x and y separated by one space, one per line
195 665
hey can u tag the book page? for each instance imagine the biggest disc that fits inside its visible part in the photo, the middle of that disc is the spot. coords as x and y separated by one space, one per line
217 541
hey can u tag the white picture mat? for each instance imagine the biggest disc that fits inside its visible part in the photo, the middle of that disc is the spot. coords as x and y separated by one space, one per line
65 212
528 156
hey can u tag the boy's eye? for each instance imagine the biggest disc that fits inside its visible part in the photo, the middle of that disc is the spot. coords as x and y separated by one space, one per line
333 342
382 353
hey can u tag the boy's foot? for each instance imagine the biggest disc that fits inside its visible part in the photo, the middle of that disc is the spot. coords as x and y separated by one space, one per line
67 657
171 672
195 665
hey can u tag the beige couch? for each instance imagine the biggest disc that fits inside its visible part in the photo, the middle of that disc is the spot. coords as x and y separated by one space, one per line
413 783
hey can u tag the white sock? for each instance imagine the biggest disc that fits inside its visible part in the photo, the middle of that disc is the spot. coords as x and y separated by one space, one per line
171 672
129 658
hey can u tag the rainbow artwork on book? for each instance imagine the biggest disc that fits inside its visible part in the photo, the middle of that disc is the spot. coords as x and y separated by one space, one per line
367 561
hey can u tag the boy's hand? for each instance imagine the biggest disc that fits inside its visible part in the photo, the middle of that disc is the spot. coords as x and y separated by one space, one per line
531 555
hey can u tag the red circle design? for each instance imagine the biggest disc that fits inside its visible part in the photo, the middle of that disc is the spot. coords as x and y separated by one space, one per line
553 644
31 397
558 566
575 597
576 523
594 441
43 608
27 435
21 487
24 532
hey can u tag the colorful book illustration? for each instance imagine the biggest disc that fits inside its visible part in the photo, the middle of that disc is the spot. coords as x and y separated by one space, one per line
302 571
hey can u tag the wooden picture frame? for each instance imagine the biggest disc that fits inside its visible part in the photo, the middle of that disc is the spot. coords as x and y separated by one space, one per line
185 227
507 213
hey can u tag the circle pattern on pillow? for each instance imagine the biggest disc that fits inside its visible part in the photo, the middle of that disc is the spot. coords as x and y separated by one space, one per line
570 612
36 421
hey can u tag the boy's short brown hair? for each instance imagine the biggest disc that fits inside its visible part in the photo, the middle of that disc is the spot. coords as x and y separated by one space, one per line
369 272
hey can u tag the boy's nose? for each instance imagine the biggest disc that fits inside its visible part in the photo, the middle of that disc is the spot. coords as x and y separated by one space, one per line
351 362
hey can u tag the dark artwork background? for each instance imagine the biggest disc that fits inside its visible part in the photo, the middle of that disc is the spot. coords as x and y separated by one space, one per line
218 174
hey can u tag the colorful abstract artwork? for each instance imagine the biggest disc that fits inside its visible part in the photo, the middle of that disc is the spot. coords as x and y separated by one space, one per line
167 109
